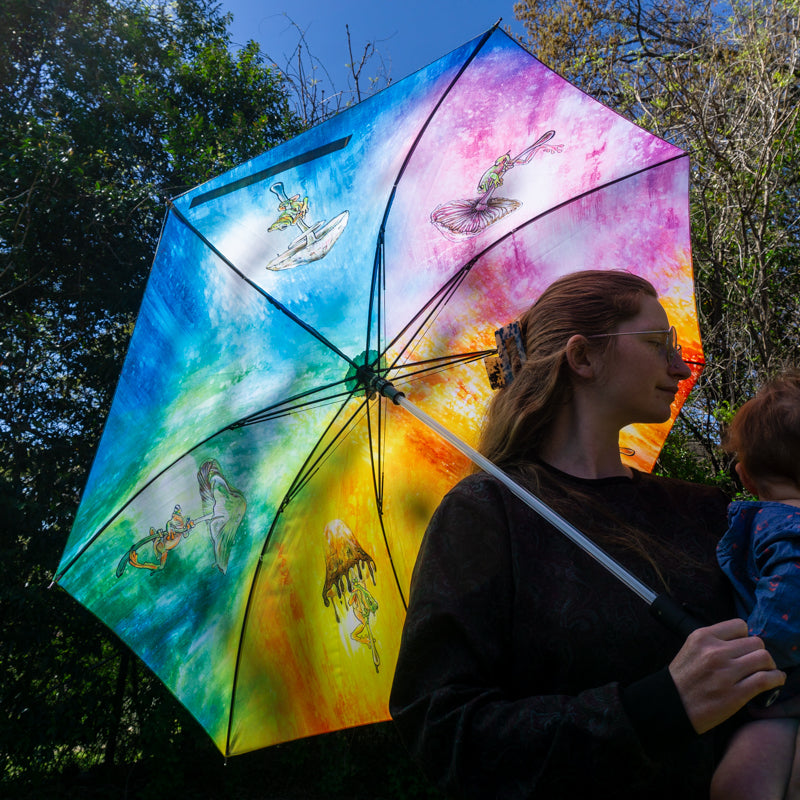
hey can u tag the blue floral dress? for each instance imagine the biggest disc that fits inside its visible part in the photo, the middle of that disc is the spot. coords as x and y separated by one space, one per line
760 554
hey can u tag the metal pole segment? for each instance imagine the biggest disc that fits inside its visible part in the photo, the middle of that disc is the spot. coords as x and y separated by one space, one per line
541 508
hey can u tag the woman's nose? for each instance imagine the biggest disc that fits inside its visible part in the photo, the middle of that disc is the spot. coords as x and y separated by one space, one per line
678 367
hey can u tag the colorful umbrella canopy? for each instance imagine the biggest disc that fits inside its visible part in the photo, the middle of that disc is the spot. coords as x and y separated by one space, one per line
253 514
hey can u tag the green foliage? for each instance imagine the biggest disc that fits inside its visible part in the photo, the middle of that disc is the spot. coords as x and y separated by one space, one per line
722 81
106 108
682 457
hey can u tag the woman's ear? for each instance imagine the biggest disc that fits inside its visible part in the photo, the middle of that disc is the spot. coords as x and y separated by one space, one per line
581 357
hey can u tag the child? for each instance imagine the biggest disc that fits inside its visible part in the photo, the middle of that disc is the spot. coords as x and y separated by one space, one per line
760 554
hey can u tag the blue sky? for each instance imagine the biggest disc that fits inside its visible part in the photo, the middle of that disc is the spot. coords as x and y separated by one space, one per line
408 33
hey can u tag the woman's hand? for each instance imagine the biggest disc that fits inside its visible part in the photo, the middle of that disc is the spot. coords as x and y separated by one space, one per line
719 669
783 708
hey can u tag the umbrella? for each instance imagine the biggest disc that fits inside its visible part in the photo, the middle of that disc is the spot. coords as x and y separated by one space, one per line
258 496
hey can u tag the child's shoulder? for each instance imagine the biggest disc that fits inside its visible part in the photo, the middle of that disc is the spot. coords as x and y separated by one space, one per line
765 514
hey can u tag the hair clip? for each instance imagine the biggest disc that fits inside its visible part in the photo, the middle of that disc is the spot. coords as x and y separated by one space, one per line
510 357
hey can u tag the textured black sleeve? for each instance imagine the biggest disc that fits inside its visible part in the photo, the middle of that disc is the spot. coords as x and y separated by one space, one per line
451 701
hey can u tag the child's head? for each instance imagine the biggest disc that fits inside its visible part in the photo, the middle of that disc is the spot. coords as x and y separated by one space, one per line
765 435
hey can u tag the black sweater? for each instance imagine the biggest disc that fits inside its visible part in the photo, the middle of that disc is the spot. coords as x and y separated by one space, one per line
526 670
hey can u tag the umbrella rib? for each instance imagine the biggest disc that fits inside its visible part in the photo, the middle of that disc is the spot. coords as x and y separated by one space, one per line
377 461
266 295
445 295
309 466
411 150
286 409
376 453
378 274
268 415
439 299
421 133
283 408
299 482
575 198
417 368
240 639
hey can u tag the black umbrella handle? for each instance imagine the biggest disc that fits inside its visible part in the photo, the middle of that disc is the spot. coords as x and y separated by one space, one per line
674 616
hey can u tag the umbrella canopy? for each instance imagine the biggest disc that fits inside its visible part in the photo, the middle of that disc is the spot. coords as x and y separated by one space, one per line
253 514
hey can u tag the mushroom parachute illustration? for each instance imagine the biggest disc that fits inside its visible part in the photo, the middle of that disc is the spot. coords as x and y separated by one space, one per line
463 219
314 241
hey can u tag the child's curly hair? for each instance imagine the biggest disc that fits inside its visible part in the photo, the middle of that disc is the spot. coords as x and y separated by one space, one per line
765 432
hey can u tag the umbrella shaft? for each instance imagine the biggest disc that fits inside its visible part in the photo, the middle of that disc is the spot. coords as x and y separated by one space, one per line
541 508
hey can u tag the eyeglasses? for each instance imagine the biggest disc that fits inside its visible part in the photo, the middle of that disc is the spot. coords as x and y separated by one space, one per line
669 348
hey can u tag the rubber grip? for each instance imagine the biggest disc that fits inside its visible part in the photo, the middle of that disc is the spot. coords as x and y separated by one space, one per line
673 615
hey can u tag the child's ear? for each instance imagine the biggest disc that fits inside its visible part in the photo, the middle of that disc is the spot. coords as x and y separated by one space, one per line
746 480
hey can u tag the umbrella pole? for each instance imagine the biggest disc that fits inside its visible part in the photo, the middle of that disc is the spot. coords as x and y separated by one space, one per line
663 607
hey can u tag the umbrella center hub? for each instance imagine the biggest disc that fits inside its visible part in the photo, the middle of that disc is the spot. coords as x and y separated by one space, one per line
366 371
362 376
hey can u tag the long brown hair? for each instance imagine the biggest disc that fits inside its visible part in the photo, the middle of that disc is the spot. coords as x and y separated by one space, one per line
590 302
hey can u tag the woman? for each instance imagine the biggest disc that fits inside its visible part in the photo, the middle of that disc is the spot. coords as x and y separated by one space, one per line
525 669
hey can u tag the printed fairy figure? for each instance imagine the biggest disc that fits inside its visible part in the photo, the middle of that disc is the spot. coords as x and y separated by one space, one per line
177 529
292 209
311 242
364 606
467 217
493 177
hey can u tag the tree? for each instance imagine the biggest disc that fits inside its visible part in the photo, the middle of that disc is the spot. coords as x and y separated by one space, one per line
721 81
107 107
314 94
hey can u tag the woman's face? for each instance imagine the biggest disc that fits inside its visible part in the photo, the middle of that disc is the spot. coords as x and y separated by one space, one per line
639 379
